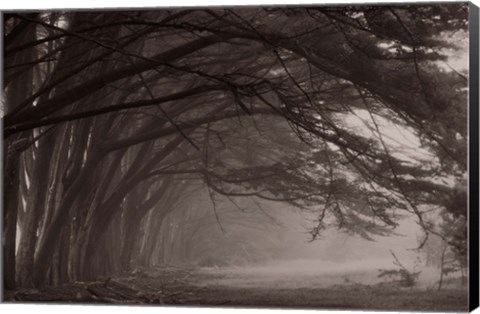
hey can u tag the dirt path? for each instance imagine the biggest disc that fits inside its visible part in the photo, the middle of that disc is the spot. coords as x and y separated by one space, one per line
219 287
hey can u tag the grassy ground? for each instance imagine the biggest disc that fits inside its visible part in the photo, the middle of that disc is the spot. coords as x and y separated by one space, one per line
220 287
338 298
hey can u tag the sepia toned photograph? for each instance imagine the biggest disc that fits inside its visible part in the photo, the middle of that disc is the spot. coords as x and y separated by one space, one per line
281 156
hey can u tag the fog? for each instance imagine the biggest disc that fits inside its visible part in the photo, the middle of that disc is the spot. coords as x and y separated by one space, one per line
309 273
293 260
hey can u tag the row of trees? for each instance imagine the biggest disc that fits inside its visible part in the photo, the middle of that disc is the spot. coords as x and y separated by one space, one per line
114 121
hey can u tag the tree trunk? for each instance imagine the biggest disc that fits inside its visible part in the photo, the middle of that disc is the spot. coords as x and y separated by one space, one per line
51 239
107 210
442 262
36 202
11 190
18 89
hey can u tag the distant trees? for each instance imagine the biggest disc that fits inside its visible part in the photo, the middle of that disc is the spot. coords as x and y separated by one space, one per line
111 117
400 275
447 250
